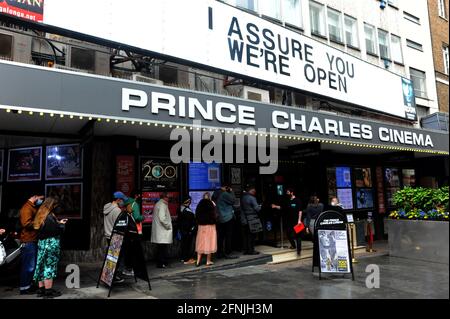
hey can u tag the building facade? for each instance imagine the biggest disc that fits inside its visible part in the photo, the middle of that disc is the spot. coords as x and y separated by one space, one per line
438 11
93 105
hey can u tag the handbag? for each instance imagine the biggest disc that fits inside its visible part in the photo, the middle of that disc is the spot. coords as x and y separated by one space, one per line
254 224
299 228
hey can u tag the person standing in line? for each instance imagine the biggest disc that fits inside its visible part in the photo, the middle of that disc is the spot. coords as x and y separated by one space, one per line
28 238
206 241
49 247
225 206
249 210
187 225
162 230
132 205
292 217
312 211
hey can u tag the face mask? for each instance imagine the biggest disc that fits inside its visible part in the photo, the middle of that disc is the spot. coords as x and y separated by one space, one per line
39 202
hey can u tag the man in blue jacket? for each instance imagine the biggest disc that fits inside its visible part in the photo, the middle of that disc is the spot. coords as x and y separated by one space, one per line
225 202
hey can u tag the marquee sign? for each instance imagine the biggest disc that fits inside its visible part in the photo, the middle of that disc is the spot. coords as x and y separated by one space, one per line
224 38
32 88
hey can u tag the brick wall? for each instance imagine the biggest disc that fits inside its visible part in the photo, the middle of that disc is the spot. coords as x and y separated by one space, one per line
439 35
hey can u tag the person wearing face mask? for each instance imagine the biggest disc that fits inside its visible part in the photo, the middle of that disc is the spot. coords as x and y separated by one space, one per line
28 238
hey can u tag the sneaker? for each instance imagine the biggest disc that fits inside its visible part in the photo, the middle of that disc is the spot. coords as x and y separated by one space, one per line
51 293
118 280
128 273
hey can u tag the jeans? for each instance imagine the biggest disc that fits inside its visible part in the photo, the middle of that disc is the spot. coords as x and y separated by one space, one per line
225 238
28 264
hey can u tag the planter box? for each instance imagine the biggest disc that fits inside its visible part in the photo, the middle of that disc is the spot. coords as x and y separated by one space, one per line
417 239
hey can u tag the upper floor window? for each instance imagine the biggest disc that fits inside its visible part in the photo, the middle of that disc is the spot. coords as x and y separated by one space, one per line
246 4
351 31
445 56
419 82
410 17
396 47
383 44
270 8
369 32
414 45
335 25
441 7
292 13
317 18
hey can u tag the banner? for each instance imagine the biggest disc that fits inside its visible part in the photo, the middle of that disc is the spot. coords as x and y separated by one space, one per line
30 10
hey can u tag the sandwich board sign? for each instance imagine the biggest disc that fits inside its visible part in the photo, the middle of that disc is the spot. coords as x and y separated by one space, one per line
331 252
124 244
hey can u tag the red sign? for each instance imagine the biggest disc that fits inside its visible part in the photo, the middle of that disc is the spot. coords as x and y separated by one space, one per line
149 199
380 190
125 174
25 9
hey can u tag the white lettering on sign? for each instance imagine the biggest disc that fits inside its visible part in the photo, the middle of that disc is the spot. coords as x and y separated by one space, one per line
213 109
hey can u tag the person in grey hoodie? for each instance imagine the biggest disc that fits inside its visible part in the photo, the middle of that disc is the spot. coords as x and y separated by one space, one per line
111 211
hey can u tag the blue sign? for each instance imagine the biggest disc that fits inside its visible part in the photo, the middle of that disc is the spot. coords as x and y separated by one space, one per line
204 176
409 99
343 177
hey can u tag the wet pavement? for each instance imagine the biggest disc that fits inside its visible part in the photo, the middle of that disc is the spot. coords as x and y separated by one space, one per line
399 278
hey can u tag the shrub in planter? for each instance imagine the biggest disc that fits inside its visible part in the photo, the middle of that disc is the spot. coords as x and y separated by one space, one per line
421 204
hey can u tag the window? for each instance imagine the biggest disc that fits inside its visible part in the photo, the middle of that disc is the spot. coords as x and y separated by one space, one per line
414 45
292 12
393 3
419 82
396 46
317 17
246 4
351 32
335 25
270 8
6 45
445 55
441 8
83 59
383 44
410 17
370 39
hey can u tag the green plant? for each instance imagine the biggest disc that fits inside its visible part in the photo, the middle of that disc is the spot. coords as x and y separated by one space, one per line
421 203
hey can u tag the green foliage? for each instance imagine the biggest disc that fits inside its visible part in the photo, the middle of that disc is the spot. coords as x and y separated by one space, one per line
421 203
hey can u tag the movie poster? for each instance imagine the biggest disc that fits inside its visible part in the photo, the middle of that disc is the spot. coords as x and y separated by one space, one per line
111 259
70 198
159 175
64 162
391 177
125 174
333 250
409 177
24 164
363 177
364 198
149 200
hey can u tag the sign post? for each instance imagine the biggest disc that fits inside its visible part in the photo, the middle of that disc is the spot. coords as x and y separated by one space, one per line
124 244
351 224
331 252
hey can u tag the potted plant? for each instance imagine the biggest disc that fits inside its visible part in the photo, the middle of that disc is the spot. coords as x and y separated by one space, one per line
419 227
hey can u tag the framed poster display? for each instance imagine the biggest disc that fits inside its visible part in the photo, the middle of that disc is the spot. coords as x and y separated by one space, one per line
364 198
363 177
125 174
343 177
204 176
70 197
345 196
64 162
149 200
24 164
333 251
236 175
391 177
112 258
1 165
159 175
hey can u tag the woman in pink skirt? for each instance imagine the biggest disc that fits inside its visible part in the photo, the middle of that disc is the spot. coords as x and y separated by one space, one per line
206 242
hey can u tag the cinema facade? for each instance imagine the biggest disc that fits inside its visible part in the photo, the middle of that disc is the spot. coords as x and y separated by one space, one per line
82 136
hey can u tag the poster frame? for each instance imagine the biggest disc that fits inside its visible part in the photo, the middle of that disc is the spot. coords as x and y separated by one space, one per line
8 178
81 193
47 178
